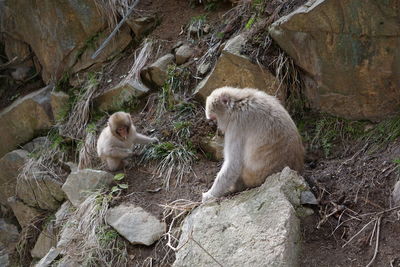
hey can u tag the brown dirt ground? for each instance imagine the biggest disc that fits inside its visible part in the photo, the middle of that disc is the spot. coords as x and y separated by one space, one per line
360 184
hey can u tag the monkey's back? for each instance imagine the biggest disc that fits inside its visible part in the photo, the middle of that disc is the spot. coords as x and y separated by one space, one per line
272 142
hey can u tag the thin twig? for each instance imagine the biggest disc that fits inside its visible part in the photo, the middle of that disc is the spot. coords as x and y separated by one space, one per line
377 242
106 41
357 233
197 243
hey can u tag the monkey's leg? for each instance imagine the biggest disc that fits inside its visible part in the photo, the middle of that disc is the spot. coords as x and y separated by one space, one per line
143 139
116 152
229 173
114 164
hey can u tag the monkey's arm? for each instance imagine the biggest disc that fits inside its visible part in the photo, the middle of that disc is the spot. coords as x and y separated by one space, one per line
118 152
229 173
142 139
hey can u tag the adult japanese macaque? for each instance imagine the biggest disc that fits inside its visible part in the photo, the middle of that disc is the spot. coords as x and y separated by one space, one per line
116 141
260 139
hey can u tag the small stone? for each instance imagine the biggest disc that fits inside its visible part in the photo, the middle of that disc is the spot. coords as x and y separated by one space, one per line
307 197
46 240
157 72
183 53
135 224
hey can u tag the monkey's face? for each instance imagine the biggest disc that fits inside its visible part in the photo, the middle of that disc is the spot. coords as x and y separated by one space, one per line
120 124
123 131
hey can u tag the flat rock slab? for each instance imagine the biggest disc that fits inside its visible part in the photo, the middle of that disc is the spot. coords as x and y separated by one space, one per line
114 98
258 227
236 70
135 224
79 184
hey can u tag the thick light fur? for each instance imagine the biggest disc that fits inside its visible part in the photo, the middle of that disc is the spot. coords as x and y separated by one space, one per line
113 148
260 139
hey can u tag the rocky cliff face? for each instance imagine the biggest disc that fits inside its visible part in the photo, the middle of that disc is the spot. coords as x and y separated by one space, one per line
349 51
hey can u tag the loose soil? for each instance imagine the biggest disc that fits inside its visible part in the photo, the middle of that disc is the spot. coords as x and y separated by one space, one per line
349 188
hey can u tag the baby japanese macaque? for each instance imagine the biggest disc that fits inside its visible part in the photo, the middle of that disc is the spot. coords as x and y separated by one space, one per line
116 141
260 139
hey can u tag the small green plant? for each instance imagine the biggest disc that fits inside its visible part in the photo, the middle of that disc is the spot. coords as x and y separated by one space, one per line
330 130
211 5
174 160
383 133
182 129
176 83
250 22
119 187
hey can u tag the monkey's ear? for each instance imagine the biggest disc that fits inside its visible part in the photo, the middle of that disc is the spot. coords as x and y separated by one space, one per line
224 99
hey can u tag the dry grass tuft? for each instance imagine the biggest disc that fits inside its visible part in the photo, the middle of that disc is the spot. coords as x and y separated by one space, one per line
175 212
46 161
87 154
174 161
79 116
88 240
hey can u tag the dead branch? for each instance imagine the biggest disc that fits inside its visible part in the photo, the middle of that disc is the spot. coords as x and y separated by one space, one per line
362 229
377 241
107 40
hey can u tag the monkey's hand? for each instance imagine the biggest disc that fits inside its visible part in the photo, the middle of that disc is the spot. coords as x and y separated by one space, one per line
207 196
155 140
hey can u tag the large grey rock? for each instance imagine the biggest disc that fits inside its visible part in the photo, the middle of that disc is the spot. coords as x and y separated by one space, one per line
114 98
24 118
23 212
349 51
56 45
117 45
236 70
157 72
183 53
48 258
258 227
396 194
135 224
10 165
79 184
40 190
8 235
